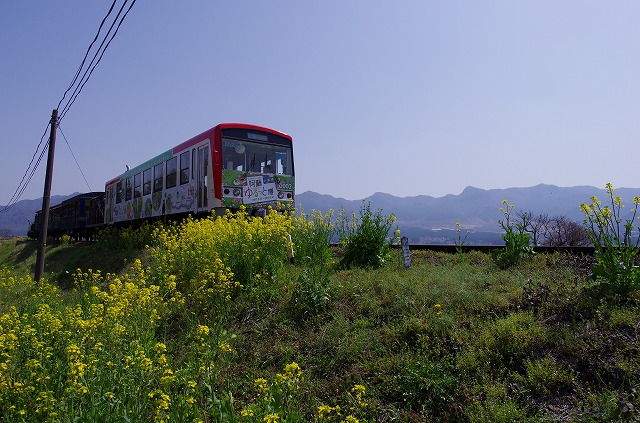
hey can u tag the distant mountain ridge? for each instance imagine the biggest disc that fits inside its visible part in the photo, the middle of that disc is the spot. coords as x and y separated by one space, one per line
426 219
423 218
16 220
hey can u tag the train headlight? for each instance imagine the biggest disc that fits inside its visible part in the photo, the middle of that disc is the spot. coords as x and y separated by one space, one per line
235 192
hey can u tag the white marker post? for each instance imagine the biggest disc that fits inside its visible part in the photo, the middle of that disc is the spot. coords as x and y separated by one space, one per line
404 241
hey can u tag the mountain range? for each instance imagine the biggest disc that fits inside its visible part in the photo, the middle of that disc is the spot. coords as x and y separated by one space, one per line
432 220
423 219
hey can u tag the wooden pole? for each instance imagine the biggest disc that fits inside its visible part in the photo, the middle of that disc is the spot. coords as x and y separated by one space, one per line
46 197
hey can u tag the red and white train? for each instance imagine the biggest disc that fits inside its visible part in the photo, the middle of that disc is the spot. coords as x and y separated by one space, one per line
230 165
226 167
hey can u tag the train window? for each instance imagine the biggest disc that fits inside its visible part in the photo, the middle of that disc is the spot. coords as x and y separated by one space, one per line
158 177
146 182
127 189
255 157
184 168
193 161
137 186
119 192
172 172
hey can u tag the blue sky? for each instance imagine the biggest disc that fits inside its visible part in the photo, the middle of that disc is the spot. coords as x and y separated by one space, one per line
404 97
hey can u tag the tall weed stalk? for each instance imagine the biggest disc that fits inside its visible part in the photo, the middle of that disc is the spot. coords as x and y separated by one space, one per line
311 236
516 239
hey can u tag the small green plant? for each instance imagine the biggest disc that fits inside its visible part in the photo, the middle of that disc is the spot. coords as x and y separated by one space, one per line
65 240
312 293
516 240
364 239
615 242
459 241
426 384
545 377
275 399
311 234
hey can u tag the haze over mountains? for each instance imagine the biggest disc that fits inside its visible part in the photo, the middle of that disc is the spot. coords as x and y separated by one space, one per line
430 220
423 219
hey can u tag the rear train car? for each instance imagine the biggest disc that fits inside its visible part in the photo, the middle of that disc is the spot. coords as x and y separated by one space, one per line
228 166
79 217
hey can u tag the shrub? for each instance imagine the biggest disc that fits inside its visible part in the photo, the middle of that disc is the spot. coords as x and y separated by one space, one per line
246 249
616 246
364 239
127 238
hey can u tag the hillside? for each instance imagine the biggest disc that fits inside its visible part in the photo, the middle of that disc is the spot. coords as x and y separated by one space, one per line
451 339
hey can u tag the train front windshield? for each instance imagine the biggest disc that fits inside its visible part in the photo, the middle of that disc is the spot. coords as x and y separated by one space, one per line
250 156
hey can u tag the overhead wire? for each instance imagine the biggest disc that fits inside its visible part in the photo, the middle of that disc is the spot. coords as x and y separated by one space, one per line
101 50
23 185
78 164
75 78
74 158
77 85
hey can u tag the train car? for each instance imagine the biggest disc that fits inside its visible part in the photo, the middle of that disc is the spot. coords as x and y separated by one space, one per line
225 167
79 217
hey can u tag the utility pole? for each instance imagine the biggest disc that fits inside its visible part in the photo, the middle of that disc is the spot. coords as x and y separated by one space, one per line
46 197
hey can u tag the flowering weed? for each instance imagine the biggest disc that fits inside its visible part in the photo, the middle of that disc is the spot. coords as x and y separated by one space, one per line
616 242
516 239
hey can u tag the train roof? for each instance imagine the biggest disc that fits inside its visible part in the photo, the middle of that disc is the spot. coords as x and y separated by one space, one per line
87 195
162 157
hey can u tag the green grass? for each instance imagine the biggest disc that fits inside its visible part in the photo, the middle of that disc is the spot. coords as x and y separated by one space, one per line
445 340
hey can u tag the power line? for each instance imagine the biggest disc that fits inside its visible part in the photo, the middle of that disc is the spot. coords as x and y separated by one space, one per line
75 78
101 50
26 179
80 169
76 85
74 158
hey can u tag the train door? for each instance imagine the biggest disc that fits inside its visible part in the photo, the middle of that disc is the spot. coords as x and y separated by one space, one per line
108 219
202 178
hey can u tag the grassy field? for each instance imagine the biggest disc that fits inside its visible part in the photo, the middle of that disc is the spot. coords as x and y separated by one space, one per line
148 335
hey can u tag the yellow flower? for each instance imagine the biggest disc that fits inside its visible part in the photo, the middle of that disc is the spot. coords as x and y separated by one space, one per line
247 412
160 348
225 347
261 384
609 187
271 418
358 389
324 409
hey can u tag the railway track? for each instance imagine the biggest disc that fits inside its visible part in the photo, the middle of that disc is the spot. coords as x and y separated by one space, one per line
489 248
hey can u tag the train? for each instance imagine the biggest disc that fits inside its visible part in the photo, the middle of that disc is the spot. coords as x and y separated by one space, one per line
79 217
229 166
